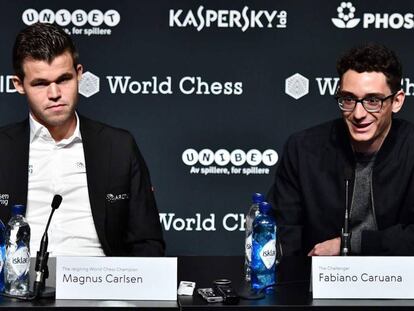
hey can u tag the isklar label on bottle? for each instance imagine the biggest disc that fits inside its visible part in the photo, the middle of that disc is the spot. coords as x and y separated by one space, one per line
18 262
268 253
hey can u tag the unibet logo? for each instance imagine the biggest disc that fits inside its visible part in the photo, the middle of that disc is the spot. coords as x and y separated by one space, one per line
78 17
346 14
223 157
297 86
89 84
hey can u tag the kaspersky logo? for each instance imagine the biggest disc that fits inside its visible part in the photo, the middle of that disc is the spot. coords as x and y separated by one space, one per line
346 16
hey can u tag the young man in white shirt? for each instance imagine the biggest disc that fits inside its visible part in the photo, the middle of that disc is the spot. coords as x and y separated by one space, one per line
108 204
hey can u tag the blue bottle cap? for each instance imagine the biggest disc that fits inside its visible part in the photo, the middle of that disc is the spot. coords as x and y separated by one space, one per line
18 209
257 198
265 207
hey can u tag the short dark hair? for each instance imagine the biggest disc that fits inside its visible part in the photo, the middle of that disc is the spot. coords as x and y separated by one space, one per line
372 57
41 41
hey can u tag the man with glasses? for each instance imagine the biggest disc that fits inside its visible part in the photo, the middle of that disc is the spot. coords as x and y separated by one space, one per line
377 149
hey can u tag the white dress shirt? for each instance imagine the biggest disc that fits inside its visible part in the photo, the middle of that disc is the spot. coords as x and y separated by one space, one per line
59 168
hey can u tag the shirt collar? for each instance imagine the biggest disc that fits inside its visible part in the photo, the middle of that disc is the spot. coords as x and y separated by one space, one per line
37 129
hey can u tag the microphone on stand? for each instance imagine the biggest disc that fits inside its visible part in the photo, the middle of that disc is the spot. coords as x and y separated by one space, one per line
346 235
41 268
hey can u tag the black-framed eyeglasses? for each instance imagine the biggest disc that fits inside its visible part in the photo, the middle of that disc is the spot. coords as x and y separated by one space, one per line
370 103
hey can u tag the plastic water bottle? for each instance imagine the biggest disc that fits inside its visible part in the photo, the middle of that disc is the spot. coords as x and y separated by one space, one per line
17 253
263 265
257 198
2 254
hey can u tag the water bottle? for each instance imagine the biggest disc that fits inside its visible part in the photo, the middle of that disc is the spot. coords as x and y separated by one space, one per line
257 198
17 253
263 265
2 254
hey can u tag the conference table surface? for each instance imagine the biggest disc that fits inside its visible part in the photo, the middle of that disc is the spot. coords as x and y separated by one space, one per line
291 293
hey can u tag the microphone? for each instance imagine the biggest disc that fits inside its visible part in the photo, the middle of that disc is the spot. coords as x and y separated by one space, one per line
346 235
41 268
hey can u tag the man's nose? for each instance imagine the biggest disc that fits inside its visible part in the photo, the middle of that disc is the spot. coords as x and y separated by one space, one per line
53 91
359 111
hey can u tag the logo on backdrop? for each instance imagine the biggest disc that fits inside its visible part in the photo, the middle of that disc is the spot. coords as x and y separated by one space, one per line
244 19
297 85
224 162
89 84
6 84
346 18
4 199
188 85
78 22
203 222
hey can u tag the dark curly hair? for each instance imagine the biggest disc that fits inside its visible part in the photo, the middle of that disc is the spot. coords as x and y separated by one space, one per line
373 57
43 42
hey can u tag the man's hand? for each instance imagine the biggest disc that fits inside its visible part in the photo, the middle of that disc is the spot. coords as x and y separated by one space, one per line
327 248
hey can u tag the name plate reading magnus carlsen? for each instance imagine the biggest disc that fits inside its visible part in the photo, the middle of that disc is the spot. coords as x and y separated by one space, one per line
116 278
363 277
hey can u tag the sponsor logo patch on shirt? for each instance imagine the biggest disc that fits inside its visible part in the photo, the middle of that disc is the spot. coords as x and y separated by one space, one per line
117 197
79 165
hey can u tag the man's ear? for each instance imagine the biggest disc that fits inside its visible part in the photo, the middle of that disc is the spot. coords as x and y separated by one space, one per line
18 85
79 71
398 101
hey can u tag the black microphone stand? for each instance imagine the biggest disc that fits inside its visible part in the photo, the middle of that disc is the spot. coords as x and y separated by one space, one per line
346 235
41 267
42 271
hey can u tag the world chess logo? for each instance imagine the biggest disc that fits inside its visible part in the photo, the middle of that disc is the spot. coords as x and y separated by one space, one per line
297 86
89 84
346 16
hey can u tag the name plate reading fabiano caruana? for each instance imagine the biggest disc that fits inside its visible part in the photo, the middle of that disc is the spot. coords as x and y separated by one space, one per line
363 277
116 278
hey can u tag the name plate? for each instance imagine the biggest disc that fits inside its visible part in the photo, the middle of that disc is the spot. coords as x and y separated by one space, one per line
363 277
116 278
